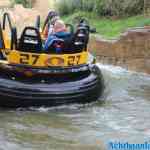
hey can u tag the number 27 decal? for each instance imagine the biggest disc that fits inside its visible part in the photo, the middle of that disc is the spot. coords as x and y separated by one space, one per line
74 60
32 59
25 59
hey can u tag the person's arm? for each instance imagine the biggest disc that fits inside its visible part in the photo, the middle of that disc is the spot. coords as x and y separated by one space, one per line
49 41
51 30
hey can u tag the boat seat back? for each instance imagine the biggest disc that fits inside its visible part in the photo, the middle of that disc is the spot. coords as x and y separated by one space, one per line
30 40
67 48
81 38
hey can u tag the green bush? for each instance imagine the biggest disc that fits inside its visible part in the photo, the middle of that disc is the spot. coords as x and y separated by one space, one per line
102 7
122 7
25 3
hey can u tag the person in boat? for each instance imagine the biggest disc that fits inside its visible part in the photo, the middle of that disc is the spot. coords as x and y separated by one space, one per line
53 16
58 32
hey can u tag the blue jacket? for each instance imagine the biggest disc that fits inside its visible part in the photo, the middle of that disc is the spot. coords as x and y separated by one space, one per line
51 38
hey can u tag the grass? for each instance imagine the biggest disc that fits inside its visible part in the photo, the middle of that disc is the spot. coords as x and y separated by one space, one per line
107 27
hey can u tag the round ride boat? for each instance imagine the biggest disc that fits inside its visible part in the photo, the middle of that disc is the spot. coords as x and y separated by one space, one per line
33 77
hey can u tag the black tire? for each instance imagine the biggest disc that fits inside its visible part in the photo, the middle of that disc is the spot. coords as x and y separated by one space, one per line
16 93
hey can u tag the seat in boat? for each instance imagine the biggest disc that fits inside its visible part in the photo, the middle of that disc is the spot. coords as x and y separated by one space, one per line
30 40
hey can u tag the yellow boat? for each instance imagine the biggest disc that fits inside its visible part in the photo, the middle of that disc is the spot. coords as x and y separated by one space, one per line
31 76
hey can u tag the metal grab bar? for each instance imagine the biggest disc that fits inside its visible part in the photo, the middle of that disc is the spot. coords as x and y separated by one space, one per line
1 38
6 16
13 31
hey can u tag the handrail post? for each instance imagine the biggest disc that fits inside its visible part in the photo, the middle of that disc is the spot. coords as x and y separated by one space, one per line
1 38
6 16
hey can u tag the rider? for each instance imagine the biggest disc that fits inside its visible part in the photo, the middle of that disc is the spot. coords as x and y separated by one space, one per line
49 23
59 31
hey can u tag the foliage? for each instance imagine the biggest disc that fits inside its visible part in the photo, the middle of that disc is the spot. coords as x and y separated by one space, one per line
25 3
108 27
102 7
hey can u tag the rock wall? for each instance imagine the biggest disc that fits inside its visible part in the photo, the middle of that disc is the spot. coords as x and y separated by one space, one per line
131 50
5 3
21 16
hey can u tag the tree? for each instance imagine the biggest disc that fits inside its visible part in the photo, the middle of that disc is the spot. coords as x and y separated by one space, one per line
146 7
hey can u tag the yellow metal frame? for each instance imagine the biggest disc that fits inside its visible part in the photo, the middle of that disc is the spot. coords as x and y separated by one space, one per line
41 60
45 60
6 39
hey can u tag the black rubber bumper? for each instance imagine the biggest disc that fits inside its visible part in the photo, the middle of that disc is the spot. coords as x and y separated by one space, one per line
19 94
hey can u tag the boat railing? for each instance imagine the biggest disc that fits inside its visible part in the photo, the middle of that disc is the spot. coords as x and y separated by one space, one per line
6 17
2 45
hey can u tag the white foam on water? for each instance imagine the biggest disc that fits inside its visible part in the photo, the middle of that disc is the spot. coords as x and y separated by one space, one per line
113 69
62 107
117 70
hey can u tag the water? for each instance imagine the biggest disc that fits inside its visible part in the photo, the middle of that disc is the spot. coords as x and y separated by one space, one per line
124 116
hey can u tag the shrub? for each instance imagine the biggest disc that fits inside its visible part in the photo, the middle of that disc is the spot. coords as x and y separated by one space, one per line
102 7
25 3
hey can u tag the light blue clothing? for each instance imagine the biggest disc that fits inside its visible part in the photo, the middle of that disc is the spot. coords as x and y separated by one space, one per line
49 41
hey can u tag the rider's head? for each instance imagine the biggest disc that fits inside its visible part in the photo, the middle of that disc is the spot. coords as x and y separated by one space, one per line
59 26
54 19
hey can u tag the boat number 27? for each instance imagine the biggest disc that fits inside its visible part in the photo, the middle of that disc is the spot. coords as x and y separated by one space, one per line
33 59
25 59
74 60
